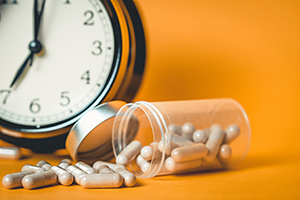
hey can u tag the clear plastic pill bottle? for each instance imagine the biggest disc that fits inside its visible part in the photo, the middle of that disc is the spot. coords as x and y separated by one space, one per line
182 136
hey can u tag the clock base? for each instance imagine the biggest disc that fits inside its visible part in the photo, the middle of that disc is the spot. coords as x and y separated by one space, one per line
43 145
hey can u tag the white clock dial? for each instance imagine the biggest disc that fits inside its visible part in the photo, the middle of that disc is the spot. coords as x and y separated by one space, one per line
69 74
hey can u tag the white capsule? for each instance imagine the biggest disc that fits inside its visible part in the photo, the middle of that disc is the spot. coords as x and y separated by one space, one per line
172 141
128 177
187 130
44 164
173 166
47 166
76 172
129 153
64 177
168 147
39 180
199 136
216 126
150 152
41 163
186 153
207 132
213 143
10 153
225 154
232 132
104 169
142 163
175 128
101 180
14 180
97 165
66 160
85 167
63 165
32 168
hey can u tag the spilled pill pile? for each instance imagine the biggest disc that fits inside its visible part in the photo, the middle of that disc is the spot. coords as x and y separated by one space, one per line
183 148
100 175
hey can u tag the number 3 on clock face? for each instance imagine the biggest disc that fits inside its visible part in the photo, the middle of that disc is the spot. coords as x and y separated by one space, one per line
60 59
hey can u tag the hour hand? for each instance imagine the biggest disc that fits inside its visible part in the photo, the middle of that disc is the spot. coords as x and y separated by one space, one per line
21 70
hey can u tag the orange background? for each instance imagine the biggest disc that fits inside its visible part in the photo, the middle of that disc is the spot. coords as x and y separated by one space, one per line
200 49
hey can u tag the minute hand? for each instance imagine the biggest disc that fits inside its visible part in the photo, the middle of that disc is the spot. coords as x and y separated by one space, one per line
38 12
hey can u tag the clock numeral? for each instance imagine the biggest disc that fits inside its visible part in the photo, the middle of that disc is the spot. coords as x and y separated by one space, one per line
89 21
86 77
98 50
8 1
35 106
6 93
65 99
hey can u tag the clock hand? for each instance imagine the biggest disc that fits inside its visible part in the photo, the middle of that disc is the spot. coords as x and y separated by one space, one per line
35 46
37 13
21 69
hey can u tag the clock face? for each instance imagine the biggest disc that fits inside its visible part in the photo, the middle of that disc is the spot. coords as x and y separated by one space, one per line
68 76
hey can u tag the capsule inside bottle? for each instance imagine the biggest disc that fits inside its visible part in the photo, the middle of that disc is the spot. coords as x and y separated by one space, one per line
192 135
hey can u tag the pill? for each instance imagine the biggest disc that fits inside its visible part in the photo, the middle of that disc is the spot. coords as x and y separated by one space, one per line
172 141
41 163
44 164
32 168
47 166
207 132
14 180
64 163
168 148
128 177
199 136
187 130
195 151
150 152
63 177
213 143
39 180
232 132
66 160
216 126
76 172
129 153
101 180
10 153
142 163
173 166
97 165
85 167
104 169
175 128
225 154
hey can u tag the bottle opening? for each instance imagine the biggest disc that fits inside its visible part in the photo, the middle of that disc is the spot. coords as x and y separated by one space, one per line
143 122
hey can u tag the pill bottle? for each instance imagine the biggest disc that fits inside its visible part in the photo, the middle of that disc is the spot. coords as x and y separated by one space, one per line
185 136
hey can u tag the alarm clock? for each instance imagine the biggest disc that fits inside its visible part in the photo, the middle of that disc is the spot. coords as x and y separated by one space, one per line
59 60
